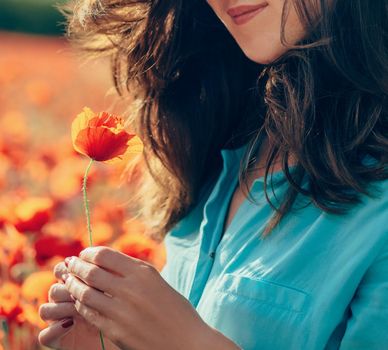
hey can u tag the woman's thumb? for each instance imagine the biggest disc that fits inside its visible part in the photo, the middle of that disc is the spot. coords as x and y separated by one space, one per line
52 335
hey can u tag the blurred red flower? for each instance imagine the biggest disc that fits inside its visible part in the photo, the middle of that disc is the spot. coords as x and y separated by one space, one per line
33 213
47 247
10 307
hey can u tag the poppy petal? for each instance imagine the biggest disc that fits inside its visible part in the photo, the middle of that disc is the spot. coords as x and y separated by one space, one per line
81 122
102 144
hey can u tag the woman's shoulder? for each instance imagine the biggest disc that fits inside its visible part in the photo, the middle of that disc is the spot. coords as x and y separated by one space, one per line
367 221
377 195
375 198
373 206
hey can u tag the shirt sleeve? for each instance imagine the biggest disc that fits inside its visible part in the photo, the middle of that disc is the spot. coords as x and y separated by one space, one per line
367 327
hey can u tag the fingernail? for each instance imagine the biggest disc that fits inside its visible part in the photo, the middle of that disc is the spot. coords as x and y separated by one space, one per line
67 323
67 260
65 276
85 251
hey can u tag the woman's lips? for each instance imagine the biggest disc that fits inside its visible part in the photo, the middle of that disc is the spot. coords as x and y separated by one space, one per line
242 14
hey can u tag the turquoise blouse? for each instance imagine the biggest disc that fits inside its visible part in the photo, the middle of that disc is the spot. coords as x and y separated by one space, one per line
319 281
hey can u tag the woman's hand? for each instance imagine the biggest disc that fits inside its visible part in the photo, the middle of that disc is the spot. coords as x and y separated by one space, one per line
128 300
67 329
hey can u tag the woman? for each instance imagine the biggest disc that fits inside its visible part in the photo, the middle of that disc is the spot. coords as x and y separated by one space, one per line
283 100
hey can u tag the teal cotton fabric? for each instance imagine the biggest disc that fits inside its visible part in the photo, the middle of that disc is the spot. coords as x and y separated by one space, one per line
319 281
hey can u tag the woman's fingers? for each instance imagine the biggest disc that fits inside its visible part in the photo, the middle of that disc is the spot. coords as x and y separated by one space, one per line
110 260
90 296
92 316
94 275
52 335
55 312
60 270
59 294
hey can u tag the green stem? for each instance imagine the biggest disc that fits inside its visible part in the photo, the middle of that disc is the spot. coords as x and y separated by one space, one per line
89 226
102 341
86 203
5 328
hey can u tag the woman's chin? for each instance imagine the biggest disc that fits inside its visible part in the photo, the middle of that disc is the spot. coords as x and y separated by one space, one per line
262 56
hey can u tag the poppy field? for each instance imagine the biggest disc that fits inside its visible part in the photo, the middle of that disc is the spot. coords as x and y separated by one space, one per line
44 85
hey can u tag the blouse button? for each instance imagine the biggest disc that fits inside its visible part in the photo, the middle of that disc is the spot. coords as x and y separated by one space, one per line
212 255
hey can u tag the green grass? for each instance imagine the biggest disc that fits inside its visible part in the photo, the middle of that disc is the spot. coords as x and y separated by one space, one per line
31 16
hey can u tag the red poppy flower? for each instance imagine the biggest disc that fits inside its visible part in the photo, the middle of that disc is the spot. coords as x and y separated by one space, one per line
102 137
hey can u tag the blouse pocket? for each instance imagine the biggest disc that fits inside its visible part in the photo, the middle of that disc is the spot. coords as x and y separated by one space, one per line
256 313
263 291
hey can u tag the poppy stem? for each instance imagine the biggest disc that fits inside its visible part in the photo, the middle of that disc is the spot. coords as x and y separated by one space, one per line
86 203
102 341
89 226
5 329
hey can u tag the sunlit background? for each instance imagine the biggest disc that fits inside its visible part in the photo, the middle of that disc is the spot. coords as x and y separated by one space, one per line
43 85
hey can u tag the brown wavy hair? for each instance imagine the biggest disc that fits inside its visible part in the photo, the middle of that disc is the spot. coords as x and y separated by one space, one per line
193 92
